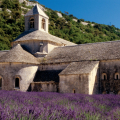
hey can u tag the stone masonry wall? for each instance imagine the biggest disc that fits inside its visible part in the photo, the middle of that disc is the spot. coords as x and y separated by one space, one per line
59 66
33 46
110 67
94 81
8 73
69 83
44 87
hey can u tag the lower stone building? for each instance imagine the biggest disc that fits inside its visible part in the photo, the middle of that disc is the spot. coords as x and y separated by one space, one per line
39 61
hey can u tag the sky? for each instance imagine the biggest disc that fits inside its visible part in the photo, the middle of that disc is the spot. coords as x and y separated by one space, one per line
98 11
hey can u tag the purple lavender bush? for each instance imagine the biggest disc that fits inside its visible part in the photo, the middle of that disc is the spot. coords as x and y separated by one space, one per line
16 105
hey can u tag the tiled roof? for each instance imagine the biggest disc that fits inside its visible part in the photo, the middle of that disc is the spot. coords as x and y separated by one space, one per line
36 10
40 35
79 67
92 51
17 54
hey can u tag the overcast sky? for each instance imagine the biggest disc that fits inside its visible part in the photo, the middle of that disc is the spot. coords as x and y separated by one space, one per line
99 11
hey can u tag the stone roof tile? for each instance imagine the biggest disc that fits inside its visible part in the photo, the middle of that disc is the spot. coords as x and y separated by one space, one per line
40 35
83 67
92 51
36 10
17 54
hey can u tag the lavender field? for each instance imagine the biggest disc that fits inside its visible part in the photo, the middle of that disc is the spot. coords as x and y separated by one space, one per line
16 105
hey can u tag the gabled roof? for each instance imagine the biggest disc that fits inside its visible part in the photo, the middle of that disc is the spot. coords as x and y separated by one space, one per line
36 10
17 54
40 35
92 51
84 67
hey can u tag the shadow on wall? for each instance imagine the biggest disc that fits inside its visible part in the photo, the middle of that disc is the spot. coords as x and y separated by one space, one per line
29 88
26 48
48 75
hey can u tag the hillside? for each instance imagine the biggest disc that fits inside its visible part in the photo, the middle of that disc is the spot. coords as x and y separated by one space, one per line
63 25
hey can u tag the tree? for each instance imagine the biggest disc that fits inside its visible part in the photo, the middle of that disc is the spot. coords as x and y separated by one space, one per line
16 15
6 4
5 15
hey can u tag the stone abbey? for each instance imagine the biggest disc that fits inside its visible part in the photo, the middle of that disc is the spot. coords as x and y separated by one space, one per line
39 61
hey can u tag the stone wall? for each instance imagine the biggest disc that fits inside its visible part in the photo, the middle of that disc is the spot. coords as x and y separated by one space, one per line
33 46
39 23
9 71
57 66
110 67
26 76
44 86
94 81
49 72
74 83
51 46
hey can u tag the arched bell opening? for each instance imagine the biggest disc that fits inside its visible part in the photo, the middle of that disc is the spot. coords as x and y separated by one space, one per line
31 22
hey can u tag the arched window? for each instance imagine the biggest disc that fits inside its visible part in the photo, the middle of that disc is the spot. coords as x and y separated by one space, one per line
116 76
32 22
43 24
17 81
104 76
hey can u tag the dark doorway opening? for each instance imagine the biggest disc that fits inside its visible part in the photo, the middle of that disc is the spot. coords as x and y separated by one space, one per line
74 91
16 82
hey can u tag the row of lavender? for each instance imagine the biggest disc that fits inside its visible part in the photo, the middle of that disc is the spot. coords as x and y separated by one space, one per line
16 105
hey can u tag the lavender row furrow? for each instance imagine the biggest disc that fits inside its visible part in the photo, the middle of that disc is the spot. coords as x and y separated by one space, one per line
15 105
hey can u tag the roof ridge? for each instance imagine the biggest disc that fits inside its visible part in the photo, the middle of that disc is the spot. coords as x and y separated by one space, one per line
42 10
36 10
90 43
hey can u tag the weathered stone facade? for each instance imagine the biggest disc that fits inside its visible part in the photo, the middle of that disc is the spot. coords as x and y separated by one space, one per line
110 68
74 84
41 62
44 86
9 71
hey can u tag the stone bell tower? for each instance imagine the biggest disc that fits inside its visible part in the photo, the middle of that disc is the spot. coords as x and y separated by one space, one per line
36 19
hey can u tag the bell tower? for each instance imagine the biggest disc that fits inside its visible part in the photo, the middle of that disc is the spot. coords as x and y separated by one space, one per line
36 19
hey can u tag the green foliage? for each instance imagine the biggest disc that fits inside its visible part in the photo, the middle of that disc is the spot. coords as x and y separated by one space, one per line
12 25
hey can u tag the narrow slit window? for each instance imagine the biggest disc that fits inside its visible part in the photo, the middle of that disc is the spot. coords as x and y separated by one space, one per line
16 82
43 23
117 77
0 82
104 76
